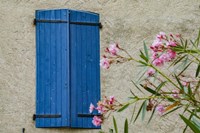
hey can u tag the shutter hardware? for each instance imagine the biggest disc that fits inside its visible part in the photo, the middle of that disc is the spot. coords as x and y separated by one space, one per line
63 21
46 116
88 115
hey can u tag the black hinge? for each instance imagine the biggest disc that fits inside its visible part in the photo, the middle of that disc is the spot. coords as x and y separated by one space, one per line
88 115
46 116
64 21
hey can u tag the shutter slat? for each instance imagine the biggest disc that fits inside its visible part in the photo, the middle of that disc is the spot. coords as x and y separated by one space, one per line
58 68
73 73
47 70
84 65
53 69
40 74
65 68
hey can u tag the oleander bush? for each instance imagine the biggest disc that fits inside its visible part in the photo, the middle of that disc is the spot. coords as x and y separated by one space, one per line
170 77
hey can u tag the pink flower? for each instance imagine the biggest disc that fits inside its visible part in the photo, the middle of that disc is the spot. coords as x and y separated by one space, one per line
113 49
91 108
165 57
160 108
157 46
97 121
184 83
171 53
158 62
112 99
175 93
100 108
104 63
151 72
161 35
171 44
154 55
178 35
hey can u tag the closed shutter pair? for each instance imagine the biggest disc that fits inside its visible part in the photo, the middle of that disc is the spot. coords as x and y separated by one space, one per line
67 68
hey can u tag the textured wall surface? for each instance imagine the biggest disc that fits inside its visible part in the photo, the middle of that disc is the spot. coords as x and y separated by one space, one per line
129 22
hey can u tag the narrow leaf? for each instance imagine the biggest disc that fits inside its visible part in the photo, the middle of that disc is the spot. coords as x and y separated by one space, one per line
181 86
177 61
139 111
133 112
143 56
144 109
197 71
160 86
126 126
150 90
146 50
115 125
187 125
152 114
137 86
192 126
185 68
110 130
123 107
172 111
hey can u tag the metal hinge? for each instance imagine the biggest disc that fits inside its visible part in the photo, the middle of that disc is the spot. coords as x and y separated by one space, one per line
46 116
64 21
88 115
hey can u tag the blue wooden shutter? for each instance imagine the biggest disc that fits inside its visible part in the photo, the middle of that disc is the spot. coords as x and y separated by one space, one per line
85 71
68 72
52 69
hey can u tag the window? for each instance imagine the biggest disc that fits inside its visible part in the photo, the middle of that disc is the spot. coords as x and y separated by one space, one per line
67 67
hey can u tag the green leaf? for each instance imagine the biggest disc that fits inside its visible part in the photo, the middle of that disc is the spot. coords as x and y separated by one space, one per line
141 74
186 108
143 56
144 107
139 111
170 99
150 90
152 114
126 126
193 44
115 125
197 40
182 42
181 86
146 50
196 121
197 71
186 43
137 86
185 68
123 107
186 124
194 114
185 90
189 90
181 58
172 111
160 86
110 130
192 126
133 112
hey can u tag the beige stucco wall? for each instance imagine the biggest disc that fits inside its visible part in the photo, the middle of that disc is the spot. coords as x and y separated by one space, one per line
127 21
